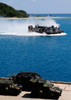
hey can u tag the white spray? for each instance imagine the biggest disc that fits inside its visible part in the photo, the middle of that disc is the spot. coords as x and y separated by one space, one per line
20 26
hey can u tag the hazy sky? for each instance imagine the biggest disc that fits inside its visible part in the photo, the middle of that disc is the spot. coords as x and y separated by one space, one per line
41 6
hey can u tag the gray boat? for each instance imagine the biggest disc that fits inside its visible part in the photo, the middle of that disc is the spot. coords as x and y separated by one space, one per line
44 29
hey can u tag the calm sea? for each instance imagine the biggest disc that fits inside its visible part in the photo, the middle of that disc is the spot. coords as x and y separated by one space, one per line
48 56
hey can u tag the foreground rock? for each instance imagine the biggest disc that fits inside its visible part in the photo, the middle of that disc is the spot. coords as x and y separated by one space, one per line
7 87
39 87
24 78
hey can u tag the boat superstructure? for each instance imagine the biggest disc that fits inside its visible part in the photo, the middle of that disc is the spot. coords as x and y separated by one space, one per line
44 29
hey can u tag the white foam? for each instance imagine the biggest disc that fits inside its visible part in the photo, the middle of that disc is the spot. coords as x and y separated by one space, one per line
33 34
58 34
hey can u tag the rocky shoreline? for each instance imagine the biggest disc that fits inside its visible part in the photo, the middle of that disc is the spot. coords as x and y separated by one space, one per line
66 93
30 82
29 85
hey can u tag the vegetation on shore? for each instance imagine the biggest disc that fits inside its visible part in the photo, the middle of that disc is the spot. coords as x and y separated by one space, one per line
8 11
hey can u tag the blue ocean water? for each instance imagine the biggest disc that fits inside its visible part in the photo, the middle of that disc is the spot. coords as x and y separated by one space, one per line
48 56
57 15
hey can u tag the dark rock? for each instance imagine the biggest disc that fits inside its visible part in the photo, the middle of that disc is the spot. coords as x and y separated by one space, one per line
26 79
39 87
48 91
7 87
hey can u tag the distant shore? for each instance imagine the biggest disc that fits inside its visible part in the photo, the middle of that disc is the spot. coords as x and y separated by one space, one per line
50 17
33 17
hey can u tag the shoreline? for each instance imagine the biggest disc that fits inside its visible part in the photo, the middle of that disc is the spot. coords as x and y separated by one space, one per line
55 82
34 17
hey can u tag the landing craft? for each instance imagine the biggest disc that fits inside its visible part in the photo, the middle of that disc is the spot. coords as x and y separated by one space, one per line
50 31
